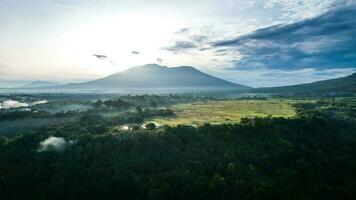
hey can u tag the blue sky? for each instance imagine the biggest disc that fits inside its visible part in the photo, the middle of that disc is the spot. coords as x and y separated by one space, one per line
253 42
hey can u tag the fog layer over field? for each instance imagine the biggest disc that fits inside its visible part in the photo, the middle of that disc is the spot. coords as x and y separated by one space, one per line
7 104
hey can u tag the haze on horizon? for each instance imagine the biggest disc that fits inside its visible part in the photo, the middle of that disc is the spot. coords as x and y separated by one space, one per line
251 42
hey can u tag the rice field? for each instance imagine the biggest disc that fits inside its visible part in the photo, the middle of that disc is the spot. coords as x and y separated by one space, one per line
229 111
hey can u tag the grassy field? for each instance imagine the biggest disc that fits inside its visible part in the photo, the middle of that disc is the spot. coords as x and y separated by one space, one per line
230 111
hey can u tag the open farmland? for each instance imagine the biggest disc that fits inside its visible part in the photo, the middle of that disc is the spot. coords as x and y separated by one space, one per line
227 111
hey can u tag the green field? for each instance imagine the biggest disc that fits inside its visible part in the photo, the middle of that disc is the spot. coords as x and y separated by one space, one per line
230 111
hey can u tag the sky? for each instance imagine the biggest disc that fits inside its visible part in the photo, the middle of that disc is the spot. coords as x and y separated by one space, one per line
252 42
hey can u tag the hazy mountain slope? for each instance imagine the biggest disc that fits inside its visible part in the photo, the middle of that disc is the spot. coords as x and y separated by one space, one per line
156 76
40 84
339 85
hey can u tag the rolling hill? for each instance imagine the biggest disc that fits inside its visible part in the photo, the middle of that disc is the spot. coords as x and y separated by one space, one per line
153 76
343 85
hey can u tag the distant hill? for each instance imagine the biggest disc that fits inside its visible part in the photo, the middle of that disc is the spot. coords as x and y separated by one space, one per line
40 84
153 76
333 86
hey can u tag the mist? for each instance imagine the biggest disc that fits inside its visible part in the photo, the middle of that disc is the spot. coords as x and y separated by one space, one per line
53 143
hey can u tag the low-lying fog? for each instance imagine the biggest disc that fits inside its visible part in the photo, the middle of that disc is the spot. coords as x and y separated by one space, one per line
7 104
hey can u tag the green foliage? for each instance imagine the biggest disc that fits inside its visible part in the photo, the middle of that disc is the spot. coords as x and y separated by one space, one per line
338 108
138 109
150 126
17 114
135 128
311 157
118 104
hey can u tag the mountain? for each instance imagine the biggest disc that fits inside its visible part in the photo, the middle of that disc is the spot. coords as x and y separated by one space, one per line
153 76
40 84
343 85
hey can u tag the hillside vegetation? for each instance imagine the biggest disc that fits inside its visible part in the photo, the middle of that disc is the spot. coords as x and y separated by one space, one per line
344 85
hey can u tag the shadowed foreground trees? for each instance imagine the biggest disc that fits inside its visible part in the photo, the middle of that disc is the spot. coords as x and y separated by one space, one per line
305 158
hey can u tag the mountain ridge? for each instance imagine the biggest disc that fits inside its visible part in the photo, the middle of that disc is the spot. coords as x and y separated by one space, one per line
40 84
154 76
346 84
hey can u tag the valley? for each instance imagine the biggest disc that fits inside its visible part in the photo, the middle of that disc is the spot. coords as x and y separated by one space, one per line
178 100
204 141
116 111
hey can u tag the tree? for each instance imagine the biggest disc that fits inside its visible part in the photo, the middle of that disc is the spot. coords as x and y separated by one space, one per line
98 103
138 109
135 127
150 126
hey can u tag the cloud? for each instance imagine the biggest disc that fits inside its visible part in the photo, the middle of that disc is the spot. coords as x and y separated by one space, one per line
135 52
181 46
189 41
159 60
101 57
293 10
40 102
7 104
324 42
183 31
53 143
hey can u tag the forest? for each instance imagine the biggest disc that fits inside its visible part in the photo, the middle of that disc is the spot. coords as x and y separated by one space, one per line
309 156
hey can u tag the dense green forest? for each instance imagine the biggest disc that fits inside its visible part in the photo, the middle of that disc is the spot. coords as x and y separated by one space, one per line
113 150
309 157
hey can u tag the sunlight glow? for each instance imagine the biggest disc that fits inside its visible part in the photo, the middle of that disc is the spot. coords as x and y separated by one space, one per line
117 36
